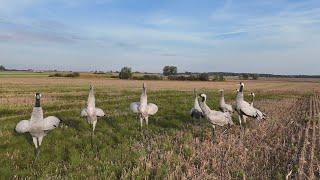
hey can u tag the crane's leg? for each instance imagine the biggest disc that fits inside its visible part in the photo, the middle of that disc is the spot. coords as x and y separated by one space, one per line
94 123
147 120
40 140
244 119
240 121
141 122
37 151
35 142
226 130
213 133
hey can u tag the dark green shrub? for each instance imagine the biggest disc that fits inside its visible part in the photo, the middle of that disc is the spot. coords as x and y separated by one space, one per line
125 73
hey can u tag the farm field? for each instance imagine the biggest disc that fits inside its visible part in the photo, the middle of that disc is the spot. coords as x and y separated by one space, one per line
173 146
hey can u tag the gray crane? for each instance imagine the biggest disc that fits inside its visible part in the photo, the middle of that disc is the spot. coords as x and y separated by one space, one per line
143 108
215 117
91 112
37 126
224 107
196 112
245 109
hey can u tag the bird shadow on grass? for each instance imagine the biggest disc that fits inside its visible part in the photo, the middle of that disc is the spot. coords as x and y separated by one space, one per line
26 136
70 122
111 122
179 121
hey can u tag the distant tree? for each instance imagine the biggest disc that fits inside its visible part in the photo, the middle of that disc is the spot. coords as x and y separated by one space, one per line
2 68
170 70
221 77
244 76
125 73
204 77
255 76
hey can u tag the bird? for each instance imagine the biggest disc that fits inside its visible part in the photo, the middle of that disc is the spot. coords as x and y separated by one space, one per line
261 114
252 98
37 126
143 108
91 112
215 117
196 112
222 104
245 109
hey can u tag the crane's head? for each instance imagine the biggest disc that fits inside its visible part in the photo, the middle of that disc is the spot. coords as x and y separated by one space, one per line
91 87
241 87
38 97
203 97
144 88
252 94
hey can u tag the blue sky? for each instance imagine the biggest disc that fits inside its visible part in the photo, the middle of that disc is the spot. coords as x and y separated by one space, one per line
274 36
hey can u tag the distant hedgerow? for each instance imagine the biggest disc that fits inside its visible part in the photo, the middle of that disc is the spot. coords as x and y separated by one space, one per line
74 74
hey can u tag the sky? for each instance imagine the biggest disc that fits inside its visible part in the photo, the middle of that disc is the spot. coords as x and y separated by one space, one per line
258 36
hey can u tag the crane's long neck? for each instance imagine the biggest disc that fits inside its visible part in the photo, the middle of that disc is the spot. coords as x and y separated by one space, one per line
37 114
221 99
91 99
144 97
240 94
252 99
37 104
203 106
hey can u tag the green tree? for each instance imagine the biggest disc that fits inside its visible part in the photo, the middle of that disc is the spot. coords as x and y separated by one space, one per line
125 73
244 76
221 77
170 70
204 77
2 68
255 76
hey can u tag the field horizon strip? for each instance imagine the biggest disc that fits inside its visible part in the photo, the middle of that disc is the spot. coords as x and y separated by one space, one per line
173 145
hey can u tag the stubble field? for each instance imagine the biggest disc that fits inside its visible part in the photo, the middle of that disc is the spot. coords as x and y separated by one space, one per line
173 146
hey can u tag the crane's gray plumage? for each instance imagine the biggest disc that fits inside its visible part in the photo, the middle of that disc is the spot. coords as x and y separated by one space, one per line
91 112
224 107
37 126
143 108
260 114
196 112
245 109
215 117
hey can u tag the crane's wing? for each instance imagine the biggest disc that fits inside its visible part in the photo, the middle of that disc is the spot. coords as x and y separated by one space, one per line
229 107
152 109
220 118
50 123
23 126
196 105
134 107
84 112
248 110
99 112
260 115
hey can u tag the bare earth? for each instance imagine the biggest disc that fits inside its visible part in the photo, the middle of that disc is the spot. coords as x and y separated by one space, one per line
266 85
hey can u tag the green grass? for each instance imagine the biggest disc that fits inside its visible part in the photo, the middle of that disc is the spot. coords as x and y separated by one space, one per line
119 149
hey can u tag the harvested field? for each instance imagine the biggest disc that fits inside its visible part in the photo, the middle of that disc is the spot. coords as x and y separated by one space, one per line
174 146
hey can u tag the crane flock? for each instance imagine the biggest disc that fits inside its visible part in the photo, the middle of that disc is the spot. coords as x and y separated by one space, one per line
38 127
